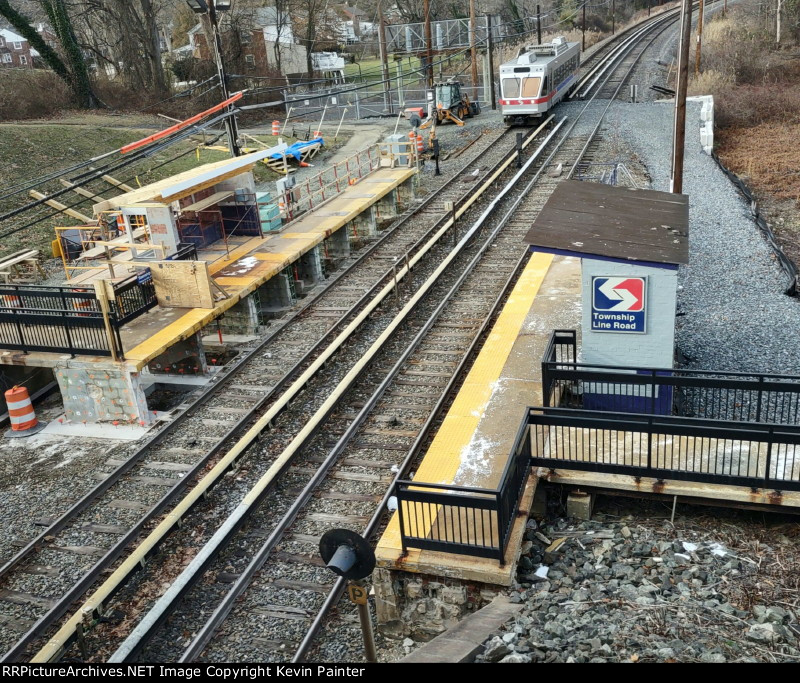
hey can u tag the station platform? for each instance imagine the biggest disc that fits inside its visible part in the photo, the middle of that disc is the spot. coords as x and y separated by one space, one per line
237 269
475 440
252 263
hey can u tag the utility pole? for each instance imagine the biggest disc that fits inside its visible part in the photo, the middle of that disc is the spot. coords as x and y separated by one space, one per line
698 49
583 30
613 17
679 129
473 53
230 121
426 9
384 59
538 25
491 58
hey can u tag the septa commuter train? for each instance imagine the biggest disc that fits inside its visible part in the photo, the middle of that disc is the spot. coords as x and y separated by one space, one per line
539 77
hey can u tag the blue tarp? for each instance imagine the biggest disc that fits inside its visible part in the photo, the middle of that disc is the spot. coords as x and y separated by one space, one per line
296 150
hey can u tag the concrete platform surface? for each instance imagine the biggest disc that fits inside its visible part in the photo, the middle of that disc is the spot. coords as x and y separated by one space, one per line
474 442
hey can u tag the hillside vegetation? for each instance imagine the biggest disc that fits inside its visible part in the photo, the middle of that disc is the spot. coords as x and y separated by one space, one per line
756 86
30 150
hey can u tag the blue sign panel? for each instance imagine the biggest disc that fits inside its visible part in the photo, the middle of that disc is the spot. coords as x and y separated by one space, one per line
618 304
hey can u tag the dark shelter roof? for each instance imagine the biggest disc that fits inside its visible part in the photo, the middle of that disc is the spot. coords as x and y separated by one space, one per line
619 223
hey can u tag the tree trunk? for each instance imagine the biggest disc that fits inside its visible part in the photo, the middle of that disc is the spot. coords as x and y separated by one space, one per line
23 26
79 73
310 30
152 47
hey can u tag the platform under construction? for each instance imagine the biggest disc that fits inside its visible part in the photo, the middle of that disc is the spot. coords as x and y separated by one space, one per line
160 263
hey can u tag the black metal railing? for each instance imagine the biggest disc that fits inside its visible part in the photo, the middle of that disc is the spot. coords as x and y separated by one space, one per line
132 297
732 396
461 519
70 319
665 447
186 252
55 319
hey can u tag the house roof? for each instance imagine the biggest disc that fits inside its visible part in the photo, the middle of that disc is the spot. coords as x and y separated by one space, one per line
10 36
268 16
593 220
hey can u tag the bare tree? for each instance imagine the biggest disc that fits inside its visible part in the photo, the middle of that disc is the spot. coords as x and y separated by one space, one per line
73 71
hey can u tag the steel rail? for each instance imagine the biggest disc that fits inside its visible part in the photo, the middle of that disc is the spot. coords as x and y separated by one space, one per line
374 524
111 585
251 501
194 571
213 388
619 50
223 609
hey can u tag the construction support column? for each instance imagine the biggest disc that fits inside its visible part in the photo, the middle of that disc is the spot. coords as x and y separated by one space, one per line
102 395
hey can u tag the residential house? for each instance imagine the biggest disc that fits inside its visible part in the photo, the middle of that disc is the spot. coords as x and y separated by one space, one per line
353 25
263 41
15 52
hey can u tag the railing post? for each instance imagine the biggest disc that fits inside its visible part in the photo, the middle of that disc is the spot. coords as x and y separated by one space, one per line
546 388
100 291
649 444
758 403
652 392
501 526
770 439
400 517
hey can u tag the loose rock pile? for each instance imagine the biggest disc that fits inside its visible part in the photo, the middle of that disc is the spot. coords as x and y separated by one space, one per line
645 590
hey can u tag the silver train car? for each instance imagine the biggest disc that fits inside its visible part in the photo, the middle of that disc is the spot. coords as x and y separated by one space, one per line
539 77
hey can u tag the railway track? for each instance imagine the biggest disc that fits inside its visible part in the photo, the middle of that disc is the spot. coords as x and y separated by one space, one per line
280 591
130 500
362 477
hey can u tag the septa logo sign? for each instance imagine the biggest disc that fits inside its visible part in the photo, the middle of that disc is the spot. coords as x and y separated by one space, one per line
618 304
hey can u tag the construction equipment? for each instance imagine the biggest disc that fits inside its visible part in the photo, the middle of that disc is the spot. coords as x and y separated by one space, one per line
452 104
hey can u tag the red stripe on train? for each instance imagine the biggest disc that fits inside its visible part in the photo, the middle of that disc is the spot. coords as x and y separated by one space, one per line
538 100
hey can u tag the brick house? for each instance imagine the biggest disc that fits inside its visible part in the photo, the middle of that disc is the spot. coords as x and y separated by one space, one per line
15 52
251 49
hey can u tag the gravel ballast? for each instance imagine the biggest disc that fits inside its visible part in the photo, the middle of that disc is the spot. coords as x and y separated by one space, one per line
639 588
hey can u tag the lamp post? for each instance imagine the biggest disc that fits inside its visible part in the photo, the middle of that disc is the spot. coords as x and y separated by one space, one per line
211 7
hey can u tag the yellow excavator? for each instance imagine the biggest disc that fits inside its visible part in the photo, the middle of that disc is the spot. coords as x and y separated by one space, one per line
452 104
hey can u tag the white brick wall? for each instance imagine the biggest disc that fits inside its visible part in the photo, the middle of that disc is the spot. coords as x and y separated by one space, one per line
653 349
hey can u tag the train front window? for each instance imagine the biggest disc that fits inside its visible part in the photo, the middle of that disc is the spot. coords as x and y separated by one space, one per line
530 87
510 87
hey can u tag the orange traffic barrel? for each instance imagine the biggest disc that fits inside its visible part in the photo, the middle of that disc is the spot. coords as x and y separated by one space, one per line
21 414
420 145
276 128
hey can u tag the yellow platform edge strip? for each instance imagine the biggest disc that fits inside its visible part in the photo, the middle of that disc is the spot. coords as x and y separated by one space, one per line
443 458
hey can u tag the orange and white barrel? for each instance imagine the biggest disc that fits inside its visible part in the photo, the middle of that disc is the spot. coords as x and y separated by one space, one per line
21 413
420 144
317 134
276 128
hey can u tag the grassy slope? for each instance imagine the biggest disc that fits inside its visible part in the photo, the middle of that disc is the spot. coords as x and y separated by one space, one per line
31 150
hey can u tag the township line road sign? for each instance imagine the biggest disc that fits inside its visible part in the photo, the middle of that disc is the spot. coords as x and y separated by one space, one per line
618 304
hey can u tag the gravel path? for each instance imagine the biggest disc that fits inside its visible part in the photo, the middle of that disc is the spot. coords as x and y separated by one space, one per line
733 314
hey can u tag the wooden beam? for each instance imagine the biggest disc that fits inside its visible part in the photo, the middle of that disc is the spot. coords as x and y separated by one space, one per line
61 207
116 183
81 191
